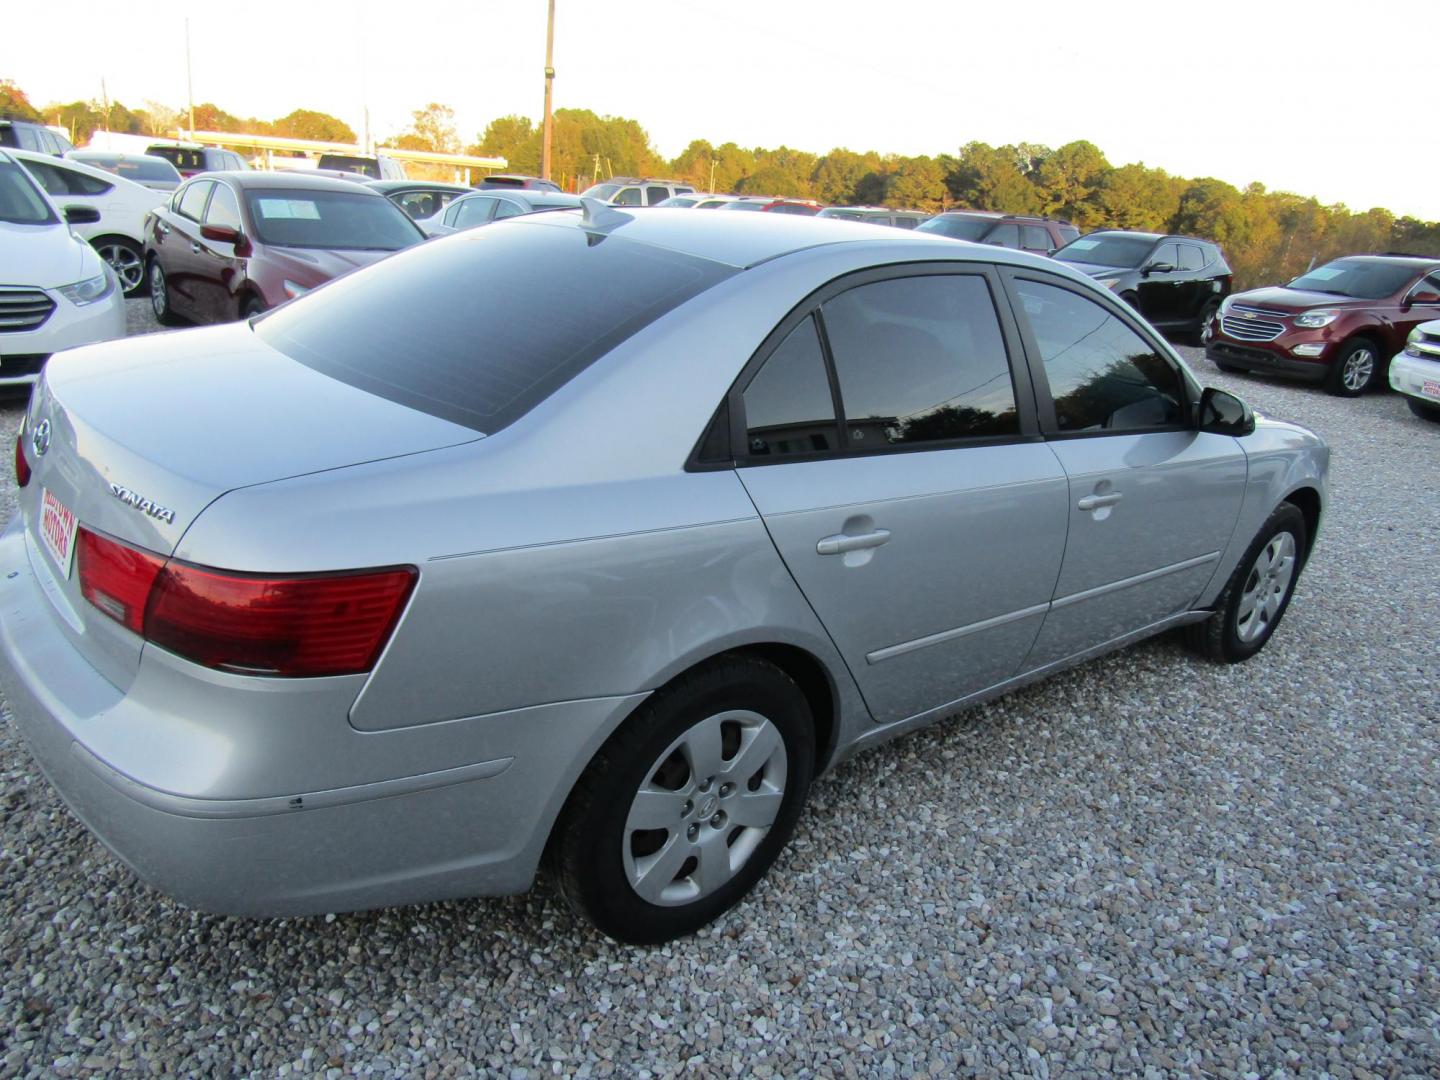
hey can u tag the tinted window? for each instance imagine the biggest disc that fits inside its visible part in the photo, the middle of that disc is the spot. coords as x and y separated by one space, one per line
29 140
474 212
920 359
9 136
192 199
139 169
745 204
1035 238
788 408
1068 233
349 163
336 220
1004 235
905 222
20 200
1103 376
1364 279
470 329
1111 250
181 158
802 210
629 196
655 195
418 204
223 209
957 227
1169 254
1191 257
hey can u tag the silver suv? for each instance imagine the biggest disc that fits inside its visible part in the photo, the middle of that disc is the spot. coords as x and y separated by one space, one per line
629 191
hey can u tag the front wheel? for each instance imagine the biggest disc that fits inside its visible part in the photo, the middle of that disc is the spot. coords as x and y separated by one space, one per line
1355 370
1424 410
1254 600
688 804
126 258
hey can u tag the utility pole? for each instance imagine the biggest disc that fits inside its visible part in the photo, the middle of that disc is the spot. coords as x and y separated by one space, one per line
189 79
105 97
549 88
711 188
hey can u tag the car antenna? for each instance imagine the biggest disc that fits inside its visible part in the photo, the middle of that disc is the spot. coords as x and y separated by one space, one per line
602 216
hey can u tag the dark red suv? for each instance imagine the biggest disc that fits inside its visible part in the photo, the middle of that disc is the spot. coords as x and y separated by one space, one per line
1339 324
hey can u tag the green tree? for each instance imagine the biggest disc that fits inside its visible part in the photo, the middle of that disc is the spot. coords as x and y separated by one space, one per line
316 126
916 183
1134 197
990 178
515 139
431 128
1069 180
838 175
14 103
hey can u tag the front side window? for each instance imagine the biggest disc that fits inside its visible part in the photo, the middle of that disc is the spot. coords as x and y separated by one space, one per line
788 407
1165 255
920 359
334 220
1035 238
192 199
223 209
655 195
1004 236
629 196
1103 376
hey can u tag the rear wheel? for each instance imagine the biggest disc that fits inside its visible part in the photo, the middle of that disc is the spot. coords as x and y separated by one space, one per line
1355 370
1255 598
126 258
160 296
1206 314
1424 410
688 804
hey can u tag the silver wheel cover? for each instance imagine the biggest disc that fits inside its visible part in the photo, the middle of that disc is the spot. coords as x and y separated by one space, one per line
1266 587
158 299
126 264
1359 366
706 804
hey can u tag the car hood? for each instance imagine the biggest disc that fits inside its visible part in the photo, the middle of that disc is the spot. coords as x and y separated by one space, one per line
1284 298
44 256
315 266
184 417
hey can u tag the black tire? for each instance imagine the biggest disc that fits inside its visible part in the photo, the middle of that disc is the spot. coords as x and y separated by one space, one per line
1206 314
1219 637
1424 410
587 850
251 307
1229 369
126 258
160 305
1356 369
1133 299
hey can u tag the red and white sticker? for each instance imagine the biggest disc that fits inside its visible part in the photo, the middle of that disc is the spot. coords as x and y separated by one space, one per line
1430 389
57 530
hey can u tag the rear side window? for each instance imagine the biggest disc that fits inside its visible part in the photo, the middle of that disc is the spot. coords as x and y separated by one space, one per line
470 329
920 359
788 407
472 212
1004 235
507 209
1191 257
1103 376
1036 238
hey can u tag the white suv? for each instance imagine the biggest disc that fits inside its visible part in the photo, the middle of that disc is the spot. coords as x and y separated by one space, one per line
628 191
1416 371
55 290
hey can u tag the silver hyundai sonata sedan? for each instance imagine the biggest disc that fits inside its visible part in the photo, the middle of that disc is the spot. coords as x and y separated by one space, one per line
592 538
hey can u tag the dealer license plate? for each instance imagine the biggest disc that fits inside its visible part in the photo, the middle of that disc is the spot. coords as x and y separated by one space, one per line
1430 389
57 530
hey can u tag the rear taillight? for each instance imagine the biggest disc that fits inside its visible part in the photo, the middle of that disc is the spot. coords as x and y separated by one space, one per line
22 467
301 625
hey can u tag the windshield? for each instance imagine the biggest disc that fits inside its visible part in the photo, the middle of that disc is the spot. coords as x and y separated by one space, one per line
600 191
336 220
959 228
745 204
180 157
480 327
142 167
20 200
348 163
1361 279
1128 251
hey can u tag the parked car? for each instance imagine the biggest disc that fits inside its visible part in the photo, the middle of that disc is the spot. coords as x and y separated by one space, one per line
1337 324
772 205
153 172
481 208
231 245
628 191
371 166
1043 236
25 135
387 611
695 200
422 200
55 290
1416 371
1177 282
118 233
876 215
191 159
515 180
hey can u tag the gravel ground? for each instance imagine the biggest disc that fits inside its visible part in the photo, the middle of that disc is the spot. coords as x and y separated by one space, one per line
1148 866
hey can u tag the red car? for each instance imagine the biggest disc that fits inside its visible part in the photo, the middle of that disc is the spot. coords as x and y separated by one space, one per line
804 207
1339 324
230 245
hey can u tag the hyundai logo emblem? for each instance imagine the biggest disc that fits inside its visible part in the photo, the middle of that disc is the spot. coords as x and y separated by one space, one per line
40 440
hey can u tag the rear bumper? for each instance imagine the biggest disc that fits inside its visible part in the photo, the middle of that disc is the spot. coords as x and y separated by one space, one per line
1409 374
476 827
1220 350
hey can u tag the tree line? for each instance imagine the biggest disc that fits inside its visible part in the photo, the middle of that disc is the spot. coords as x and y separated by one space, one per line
1267 236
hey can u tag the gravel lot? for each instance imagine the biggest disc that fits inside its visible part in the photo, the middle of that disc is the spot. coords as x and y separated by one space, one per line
1148 866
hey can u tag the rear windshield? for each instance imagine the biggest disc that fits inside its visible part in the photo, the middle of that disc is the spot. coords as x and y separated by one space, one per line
336 220
345 163
1127 251
745 204
1362 279
180 157
481 327
958 228
138 168
20 200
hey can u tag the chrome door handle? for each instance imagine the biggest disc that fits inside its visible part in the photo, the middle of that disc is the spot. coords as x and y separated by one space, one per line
194 247
165 228
1095 502
841 543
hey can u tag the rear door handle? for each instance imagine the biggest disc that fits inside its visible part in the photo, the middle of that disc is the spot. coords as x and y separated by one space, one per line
841 542
1095 502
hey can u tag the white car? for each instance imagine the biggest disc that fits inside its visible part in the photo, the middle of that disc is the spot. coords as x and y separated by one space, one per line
119 235
56 292
1416 371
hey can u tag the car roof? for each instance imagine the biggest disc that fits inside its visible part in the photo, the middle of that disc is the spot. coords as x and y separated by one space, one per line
388 186
1419 262
743 240
292 181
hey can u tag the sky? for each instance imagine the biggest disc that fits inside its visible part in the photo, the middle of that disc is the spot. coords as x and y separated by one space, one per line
1324 98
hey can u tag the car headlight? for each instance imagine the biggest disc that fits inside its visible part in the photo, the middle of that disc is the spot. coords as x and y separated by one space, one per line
89 290
1225 305
1313 320
1108 282
293 290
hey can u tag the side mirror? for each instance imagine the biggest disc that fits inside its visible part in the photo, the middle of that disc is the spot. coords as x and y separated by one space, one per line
1420 296
221 234
1158 268
82 215
1223 413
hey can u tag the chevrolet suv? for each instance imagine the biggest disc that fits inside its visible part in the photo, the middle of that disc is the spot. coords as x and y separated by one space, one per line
1338 324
